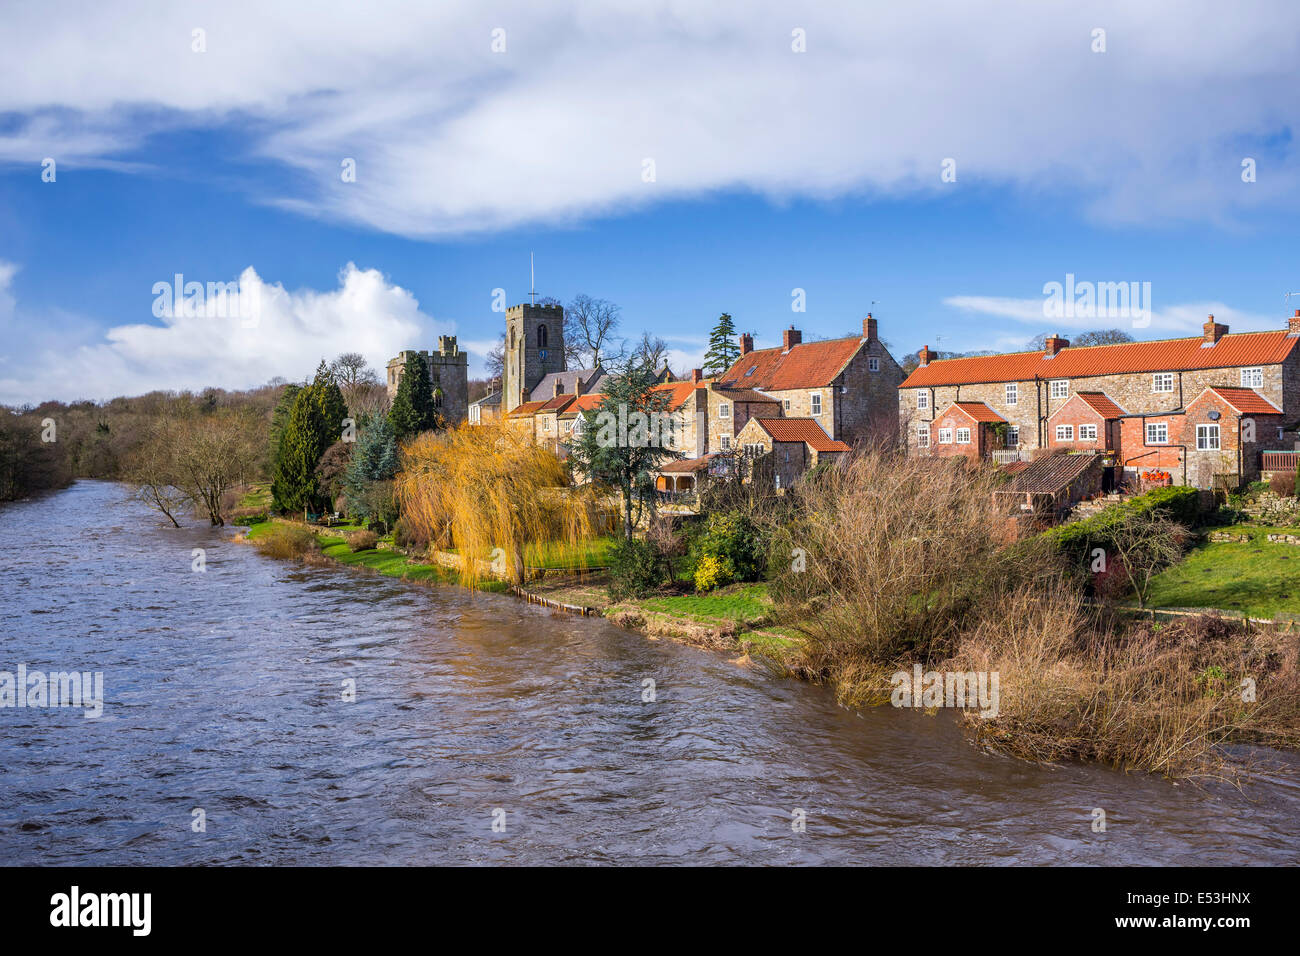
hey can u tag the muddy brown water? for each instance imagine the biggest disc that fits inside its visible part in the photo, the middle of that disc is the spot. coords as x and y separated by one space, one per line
223 692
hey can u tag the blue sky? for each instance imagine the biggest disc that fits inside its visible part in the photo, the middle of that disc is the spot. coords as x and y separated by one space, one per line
773 170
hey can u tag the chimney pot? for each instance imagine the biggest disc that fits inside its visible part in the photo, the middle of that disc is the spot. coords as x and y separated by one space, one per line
925 356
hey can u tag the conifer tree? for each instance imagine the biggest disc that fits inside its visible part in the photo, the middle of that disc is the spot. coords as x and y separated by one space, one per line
303 441
723 348
413 408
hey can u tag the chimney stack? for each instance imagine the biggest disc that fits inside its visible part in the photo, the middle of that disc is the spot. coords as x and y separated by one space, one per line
559 387
1055 343
869 328
1293 323
696 375
1212 331
926 356
746 343
790 338
577 386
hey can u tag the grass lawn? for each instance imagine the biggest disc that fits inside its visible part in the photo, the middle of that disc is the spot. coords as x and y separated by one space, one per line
1257 577
257 496
746 604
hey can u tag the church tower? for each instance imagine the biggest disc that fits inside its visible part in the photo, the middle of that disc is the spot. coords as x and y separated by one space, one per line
534 348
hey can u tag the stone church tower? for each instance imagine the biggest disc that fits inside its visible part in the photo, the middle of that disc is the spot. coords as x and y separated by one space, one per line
448 373
534 348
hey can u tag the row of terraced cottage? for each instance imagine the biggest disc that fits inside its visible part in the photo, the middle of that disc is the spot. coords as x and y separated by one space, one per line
1200 411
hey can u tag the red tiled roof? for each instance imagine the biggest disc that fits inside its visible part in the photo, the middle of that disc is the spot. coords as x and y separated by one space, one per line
808 365
976 410
800 429
1099 402
527 408
585 403
1231 351
556 404
1247 401
679 392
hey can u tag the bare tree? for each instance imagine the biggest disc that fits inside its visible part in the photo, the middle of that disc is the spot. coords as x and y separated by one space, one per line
494 362
352 373
151 470
589 329
1144 545
651 351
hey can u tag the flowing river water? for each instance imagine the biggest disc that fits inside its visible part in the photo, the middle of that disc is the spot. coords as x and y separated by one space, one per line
224 693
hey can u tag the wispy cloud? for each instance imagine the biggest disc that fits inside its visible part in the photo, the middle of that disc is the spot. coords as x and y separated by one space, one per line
560 121
1184 318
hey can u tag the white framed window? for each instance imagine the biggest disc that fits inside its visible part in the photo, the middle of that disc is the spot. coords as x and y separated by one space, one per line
1065 433
873 364
922 436
786 404
1162 382
755 449
1013 436
816 403
778 482
726 443
945 436
1058 387
1087 433
1207 437
1252 377
724 409
1157 433
963 436
475 415
1013 393
922 399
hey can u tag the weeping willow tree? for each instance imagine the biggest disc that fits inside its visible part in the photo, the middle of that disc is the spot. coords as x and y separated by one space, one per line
477 488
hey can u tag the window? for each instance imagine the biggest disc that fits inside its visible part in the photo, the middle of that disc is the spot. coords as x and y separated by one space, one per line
724 409
726 443
475 415
1157 433
963 436
786 404
922 436
1162 382
945 436
1065 433
873 364
1207 437
1013 436
541 336
778 482
752 370
1087 433
1059 388
922 399
1252 377
1013 393
816 403
755 449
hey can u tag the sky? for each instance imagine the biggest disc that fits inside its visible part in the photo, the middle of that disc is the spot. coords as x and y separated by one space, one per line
371 174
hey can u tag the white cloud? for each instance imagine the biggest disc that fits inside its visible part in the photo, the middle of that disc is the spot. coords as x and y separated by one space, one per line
450 137
293 332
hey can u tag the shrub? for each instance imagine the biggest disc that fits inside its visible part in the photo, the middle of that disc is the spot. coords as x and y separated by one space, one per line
712 571
248 516
635 568
735 545
361 540
287 540
1078 538
1282 484
408 537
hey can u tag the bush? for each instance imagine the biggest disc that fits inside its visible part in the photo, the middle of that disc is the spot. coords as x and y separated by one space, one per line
1078 538
1283 484
407 537
361 540
247 516
636 568
729 547
288 541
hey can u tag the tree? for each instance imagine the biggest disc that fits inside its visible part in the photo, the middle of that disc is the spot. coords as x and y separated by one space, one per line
494 362
329 397
413 408
1145 544
304 440
1083 339
151 471
622 440
279 419
651 351
723 348
589 328
214 454
354 375
375 460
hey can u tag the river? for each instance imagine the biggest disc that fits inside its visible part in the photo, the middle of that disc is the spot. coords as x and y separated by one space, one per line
224 693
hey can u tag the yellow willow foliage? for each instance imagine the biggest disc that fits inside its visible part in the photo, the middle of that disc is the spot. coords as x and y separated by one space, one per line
480 487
